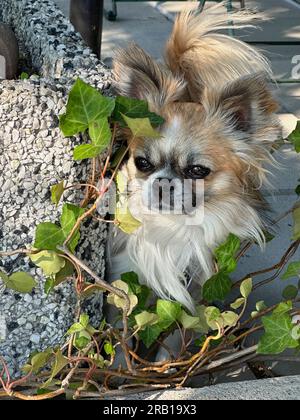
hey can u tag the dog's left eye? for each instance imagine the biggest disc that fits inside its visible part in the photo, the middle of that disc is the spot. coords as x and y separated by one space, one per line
197 172
143 164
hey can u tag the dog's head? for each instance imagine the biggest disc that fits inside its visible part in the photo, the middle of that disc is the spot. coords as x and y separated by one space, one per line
221 142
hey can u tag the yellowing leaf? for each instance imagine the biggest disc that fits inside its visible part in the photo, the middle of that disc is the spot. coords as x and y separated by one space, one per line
57 192
48 261
59 363
191 322
121 181
246 288
238 303
126 222
141 127
4 276
38 361
20 282
119 302
120 284
145 319
229 319
212 315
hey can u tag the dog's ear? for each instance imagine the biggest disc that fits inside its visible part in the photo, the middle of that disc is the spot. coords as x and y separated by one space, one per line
138 76
245 104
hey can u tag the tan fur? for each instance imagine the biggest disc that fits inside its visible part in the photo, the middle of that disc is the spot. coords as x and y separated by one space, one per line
137 75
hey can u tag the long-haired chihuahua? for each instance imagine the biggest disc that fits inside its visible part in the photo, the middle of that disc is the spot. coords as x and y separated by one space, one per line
220 125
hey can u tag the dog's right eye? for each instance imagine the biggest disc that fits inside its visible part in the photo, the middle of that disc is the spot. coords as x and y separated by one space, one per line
143 164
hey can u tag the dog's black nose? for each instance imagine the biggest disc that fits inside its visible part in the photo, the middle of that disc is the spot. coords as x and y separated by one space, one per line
164 179
165 193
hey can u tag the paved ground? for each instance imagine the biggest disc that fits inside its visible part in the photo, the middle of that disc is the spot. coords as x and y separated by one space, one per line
283 389
143 23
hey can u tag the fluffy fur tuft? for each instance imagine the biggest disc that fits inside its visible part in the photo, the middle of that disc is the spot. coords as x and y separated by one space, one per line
194 48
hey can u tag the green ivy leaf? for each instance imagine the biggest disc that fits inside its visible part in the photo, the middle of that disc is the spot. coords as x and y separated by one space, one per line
268 236
91 330
278 334
260 306
49 285
38 361
134 108
20 282
86 151
85 105
84 320
57 192
217 287
192 322
212 314
100 133
83 338
143 292
150 334
98 360
75 328
294 137
70 214
48 236
59 363
283 307
65 272
200 312
141 127
290 292
48 261
109 348
117 156
297 190
296 227
24 75
4 277
246 288
225 253
132 279
293 270
168 312
238 303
